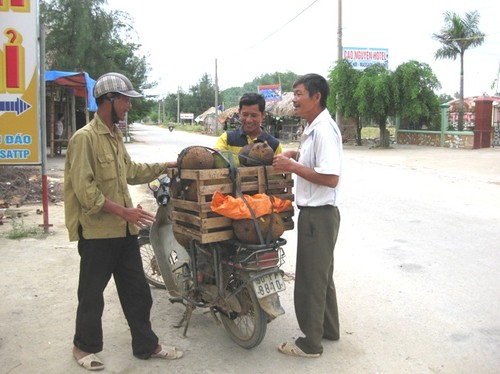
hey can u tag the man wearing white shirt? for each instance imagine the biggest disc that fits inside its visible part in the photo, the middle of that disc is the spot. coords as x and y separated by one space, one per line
318 166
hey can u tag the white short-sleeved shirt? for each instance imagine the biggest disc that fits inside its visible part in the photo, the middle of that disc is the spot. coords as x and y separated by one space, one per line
320 149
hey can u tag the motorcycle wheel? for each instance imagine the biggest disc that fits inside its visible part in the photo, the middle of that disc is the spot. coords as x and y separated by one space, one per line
248 328
149 264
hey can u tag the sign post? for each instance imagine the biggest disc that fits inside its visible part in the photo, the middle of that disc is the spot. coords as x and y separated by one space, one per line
22 107
19 83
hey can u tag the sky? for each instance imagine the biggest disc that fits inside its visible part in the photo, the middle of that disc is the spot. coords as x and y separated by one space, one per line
182 40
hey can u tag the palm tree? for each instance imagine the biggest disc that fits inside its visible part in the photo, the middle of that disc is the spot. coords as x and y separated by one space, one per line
457 36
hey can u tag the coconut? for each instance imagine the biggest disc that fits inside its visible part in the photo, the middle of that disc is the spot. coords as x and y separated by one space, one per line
244 151
262 152
223 158
196 157
245 231
219 161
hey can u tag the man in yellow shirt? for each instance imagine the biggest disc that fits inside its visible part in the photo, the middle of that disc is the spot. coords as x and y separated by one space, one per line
252 109
99 214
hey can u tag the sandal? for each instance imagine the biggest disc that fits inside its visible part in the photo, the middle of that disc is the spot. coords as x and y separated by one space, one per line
90 362
168 353
291 349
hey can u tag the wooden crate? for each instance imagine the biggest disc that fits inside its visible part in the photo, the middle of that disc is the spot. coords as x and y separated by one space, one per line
196 219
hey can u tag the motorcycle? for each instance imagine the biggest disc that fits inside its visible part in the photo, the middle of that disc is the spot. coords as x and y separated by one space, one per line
238 283
149 263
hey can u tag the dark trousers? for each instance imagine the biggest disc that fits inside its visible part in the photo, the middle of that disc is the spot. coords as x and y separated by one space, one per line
58 145
120 257
315 298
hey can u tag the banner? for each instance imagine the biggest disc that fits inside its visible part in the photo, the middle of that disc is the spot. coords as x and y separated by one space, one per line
271 92
19 87
361 58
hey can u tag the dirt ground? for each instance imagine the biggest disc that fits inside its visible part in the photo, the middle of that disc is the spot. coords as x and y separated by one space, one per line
22 185
39 277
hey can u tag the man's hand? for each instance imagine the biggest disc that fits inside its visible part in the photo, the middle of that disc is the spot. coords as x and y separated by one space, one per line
284 163
138 217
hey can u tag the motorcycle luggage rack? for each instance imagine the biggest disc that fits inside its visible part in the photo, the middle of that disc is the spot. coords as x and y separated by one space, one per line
258 247
259 256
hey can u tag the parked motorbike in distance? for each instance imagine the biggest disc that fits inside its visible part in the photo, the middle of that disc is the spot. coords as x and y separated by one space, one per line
238 283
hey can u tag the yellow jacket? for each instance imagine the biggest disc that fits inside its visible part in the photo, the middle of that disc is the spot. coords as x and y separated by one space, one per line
98 166
239 139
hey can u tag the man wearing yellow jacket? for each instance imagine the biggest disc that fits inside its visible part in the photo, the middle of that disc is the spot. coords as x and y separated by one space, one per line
99 214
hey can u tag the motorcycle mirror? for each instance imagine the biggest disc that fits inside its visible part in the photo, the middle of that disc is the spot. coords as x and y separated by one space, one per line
154 185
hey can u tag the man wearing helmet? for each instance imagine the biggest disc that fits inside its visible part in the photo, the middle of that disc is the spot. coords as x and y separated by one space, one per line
99 214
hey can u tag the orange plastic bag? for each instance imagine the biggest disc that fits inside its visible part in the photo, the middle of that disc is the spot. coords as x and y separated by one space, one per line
235 208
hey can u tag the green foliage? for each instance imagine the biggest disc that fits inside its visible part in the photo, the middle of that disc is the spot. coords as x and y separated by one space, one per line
414 95
81 35
458 35
343 79
20 230
445 98
232 95
374 94
201 97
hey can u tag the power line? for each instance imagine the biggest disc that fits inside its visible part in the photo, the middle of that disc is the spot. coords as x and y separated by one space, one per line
280 28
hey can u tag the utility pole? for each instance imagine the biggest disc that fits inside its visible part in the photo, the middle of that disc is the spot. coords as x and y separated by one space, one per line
216 101
178 105
163 109
159 106
339 56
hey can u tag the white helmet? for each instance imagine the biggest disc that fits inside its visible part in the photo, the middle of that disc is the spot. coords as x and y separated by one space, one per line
114 82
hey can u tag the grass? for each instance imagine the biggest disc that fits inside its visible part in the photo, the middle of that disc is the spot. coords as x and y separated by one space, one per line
374 132
20 230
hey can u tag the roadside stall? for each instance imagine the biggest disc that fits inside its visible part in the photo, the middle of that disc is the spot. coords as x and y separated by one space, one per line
282 119
71 95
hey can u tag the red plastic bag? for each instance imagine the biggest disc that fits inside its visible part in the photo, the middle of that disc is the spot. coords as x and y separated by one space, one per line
235 208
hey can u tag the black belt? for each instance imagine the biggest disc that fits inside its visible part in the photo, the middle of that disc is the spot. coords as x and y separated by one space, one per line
313 207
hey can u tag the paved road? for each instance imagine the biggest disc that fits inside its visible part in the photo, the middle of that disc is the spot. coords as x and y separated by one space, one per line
416 272
416 264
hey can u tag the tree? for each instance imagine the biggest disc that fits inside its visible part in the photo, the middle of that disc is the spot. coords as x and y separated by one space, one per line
81 35
232 95
445 98
343 80
202 96
375 98
456 37
415 100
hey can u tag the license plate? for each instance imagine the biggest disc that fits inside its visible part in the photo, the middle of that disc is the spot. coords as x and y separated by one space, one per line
268 285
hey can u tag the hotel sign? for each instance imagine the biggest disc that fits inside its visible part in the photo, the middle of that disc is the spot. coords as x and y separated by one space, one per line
361 58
